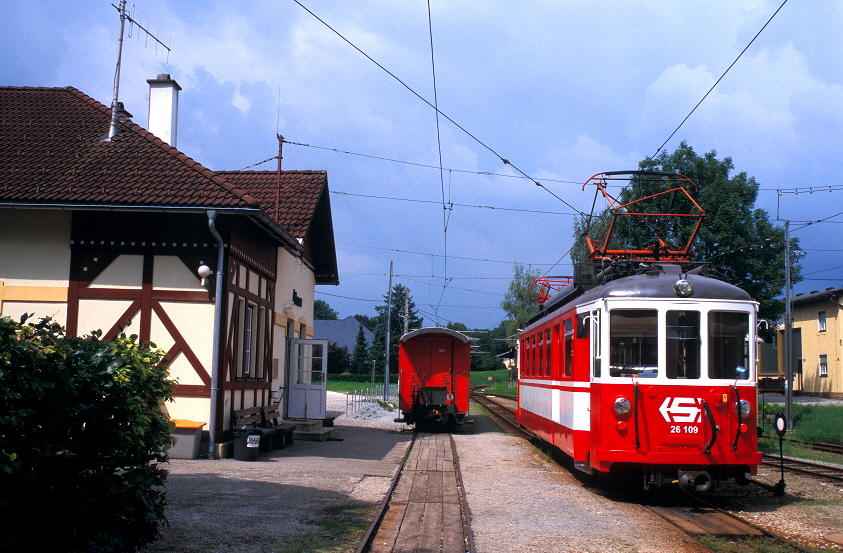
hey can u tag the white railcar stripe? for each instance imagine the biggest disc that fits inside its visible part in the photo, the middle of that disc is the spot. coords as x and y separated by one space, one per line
570 409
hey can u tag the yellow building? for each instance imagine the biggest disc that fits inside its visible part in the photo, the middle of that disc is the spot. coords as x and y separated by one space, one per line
818 342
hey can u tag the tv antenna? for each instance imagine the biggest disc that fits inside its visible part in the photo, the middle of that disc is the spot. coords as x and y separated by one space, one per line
115 104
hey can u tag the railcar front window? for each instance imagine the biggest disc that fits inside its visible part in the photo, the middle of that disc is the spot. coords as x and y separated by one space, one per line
683 344
728 347
633 342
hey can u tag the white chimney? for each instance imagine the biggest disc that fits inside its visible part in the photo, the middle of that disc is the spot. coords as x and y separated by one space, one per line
164 108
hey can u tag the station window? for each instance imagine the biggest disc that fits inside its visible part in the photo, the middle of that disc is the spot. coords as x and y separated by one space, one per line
683 344
728 350
250 340
633 342
823 365
821 321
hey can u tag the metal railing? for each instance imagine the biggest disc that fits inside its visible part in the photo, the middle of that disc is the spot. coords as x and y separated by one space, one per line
356 400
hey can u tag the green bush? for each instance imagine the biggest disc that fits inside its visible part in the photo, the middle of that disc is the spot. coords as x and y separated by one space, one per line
82 436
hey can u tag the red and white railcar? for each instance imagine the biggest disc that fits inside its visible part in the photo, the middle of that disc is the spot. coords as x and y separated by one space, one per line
645 367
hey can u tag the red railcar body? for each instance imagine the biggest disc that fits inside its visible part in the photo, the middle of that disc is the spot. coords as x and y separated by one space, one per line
647 369
434 367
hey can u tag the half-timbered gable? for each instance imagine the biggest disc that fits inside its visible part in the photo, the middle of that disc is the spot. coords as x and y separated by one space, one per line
126 235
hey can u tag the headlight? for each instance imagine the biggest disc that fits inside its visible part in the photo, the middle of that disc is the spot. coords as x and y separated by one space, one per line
622 406
683 288
745 408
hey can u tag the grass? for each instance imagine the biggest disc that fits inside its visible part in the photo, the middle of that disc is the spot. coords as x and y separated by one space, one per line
746 545
338 386
811 423
339 530
494 382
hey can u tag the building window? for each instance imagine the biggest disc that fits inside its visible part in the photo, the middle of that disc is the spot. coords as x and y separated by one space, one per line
250 340
249 336
823 365
821 321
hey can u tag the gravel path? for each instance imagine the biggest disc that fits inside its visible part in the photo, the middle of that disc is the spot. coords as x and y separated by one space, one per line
522 501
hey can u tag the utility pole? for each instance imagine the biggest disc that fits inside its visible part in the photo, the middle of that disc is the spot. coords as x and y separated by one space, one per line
788 330
406 310
388 337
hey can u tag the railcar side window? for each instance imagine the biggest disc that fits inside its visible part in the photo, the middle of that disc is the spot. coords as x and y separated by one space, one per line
683 344
569 341
596 337
540 348
633 342
728 349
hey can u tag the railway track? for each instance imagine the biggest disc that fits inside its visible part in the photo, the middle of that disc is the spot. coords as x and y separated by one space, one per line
816 470
836 449
425 509
502 411
690 513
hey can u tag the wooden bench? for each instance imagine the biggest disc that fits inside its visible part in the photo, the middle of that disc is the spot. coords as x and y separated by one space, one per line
272 420
253 416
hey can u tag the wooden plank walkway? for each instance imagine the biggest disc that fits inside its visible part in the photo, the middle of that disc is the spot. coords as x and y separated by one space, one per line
424 515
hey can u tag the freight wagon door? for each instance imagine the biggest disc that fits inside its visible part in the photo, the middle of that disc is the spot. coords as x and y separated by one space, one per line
308 379
441 360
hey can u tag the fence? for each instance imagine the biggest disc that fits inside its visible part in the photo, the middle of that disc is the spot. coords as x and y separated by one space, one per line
359 399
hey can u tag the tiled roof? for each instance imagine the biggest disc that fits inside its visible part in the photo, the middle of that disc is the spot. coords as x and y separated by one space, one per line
52 152
815 295
297 194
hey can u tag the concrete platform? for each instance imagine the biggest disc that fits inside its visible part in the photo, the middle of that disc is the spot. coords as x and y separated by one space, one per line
252 507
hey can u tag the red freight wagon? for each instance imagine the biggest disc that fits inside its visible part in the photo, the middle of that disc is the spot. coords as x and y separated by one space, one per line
434 365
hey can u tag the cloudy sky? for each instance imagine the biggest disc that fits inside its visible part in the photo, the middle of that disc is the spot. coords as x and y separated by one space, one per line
563 89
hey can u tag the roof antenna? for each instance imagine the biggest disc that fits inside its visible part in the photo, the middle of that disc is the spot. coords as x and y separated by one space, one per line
116 109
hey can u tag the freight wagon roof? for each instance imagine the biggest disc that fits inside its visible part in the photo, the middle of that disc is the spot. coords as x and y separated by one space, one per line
436 331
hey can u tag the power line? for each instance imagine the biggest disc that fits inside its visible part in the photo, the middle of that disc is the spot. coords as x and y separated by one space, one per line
375 197
445 211
420 97
416 164
719 79
436 254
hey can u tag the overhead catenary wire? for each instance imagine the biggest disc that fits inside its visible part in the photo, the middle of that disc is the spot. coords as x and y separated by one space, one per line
718 80
445 210
426 101
455 204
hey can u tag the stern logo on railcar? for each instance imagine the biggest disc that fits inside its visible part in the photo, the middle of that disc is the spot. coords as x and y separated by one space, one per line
682 409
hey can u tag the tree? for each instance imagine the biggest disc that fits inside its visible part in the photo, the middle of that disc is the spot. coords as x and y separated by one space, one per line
736 239
367 321
519 302
401 302
360 358
338 359
378 349
323 312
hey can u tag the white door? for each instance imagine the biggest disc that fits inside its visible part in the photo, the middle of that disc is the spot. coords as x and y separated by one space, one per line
308 379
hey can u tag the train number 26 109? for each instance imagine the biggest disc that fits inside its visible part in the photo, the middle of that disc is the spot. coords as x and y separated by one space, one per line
676 429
